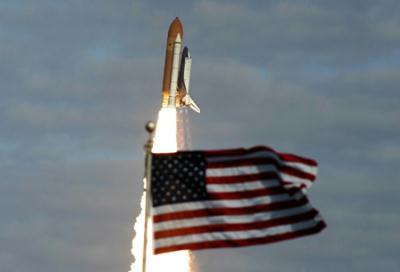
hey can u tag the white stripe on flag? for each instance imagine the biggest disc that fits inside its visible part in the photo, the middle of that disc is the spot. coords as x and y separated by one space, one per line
235 235
313 170
229 219
241 170
237 187
200 205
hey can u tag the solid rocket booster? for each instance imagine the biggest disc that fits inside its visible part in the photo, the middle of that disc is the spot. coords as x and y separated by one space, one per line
176 79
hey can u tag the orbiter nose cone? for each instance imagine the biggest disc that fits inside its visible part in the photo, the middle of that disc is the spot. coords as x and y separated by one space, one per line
175 28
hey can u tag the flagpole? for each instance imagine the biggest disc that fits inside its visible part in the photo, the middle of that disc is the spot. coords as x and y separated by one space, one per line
150 128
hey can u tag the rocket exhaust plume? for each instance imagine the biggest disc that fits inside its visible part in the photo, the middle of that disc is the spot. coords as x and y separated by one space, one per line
171 135
165 141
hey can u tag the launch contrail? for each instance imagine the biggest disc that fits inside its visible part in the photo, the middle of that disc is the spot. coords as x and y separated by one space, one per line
165 141
168 138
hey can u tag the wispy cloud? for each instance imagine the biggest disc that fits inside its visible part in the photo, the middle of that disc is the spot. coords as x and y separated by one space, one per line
80 78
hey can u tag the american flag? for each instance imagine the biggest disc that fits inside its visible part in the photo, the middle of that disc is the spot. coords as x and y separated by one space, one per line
231 198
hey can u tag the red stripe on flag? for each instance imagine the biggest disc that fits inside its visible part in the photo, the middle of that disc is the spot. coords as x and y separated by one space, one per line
262 161
243 178
296 173
294 158
242 162
237 152
237 226
243 242
229 211
243 151
247 194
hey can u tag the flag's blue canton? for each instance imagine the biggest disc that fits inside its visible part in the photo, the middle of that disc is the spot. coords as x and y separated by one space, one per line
177 178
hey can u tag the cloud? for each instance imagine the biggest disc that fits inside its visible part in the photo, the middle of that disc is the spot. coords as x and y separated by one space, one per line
80 78
331 34
56 218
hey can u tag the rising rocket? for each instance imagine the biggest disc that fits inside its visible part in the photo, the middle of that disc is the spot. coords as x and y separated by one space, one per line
177 68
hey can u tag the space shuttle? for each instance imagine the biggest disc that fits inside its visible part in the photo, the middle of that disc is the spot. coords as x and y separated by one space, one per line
177 68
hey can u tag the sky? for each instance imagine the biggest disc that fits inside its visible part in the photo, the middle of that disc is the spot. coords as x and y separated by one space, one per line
79 79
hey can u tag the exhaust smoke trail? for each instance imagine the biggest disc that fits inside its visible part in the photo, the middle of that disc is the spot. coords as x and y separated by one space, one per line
165 141
165 138
184 140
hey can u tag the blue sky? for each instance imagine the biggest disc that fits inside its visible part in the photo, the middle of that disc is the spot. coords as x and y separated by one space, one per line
80 78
